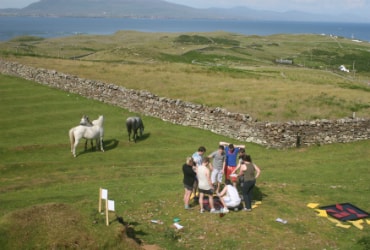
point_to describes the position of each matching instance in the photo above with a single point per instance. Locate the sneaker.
(201, 211)
(224, 210)
(236, 209)
(214, 211)
(247, 209)
(187, 207)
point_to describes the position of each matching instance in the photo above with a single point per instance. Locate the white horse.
(85, 120)
(96, 131)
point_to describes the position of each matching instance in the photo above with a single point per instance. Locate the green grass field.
(218, 69)
(49, 200)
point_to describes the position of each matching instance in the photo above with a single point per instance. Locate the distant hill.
(162, 9)
(109, 8)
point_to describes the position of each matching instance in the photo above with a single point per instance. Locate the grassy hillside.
(49, 200)
(226, 70)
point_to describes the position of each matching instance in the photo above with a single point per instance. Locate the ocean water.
(48, 27)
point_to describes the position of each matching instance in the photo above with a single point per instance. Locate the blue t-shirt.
(231, 157)
(197, 159)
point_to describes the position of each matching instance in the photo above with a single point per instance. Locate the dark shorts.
(209, 191)
(187, 187)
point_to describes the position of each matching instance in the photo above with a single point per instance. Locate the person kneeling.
(229, 197)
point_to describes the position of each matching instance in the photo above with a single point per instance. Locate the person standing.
(240, 177)
(197, 161)
(188, 181)
(218, 157)
(198, 156)
(231, 159)
(251, 172)
(205, 185)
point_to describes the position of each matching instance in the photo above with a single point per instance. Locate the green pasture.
(49, 199)
(218, 69)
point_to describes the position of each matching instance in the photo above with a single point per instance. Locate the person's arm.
(236, 169)
(243, 167)
(211, 155)
(258, 171)
(223, 192)
(222, 143)
(210, 167)
(209, 179)
(240, 146)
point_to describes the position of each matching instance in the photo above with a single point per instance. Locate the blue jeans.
(247, 190)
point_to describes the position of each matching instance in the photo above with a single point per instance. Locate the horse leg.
(74, 147)
(135, 135)
(101, 144)
(85, 144)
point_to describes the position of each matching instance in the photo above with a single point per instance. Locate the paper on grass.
(177, 226)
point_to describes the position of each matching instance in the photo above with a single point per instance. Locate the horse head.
(85, 121)
(99, 121)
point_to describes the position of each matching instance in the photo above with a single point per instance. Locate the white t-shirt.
(232, 198)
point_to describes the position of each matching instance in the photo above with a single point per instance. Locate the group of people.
(230, 163)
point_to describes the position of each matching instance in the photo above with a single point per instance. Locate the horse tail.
(71, 138)
(130, 127)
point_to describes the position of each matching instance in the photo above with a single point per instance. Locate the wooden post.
(109, 207)
(99, 200)
(106, 213)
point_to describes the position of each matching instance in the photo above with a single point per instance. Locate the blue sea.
(48, 27)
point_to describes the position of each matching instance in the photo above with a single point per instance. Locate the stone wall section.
(218, 120)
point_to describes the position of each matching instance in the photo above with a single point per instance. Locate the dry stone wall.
(217, 120)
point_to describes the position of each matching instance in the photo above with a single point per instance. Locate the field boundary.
(218, 120)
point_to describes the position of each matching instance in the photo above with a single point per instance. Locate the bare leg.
(211, 204)
(187, 197)
(201, 201)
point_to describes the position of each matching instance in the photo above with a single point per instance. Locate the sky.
(312, 6)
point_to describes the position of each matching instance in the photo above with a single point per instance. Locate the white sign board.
(104, 194)
(110, 205)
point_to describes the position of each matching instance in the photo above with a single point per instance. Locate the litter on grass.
(281, 221)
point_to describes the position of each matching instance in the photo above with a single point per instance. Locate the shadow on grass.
(110, 144)
(258, 195)
(129, 229)
(141, 138)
